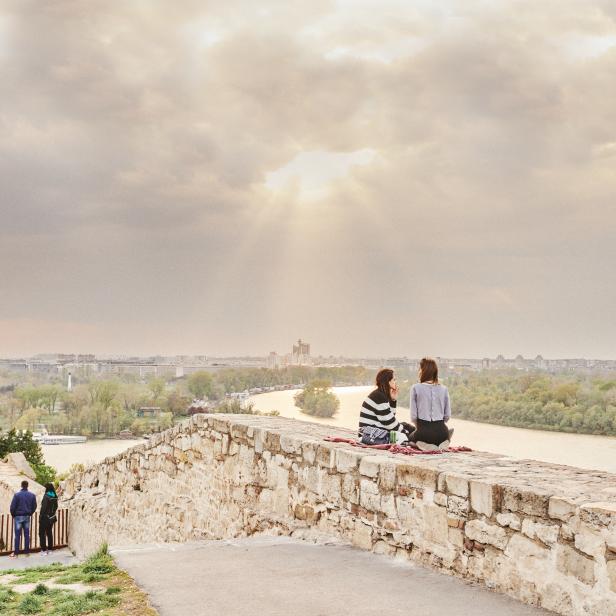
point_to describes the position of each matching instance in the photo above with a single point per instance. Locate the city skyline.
(380, 176)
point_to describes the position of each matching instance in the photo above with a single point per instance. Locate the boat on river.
(61, 439)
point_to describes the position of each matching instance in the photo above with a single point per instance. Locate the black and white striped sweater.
(378, 411)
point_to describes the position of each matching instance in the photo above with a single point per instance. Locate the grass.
(112, 593)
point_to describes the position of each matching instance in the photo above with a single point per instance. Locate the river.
(62, 457)
(582, 450)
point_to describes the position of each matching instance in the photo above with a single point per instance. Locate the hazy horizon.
(382, 178)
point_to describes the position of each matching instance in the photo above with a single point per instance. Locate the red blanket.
(408, 451)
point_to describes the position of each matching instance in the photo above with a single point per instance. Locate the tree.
(14, 442)
(201, 384)
(316, 399)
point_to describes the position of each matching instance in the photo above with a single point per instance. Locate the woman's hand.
(393, 391)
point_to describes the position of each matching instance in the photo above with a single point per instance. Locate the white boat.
(60, 439)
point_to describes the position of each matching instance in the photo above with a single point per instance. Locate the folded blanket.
(408, 451)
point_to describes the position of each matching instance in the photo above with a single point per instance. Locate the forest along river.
(582, 450)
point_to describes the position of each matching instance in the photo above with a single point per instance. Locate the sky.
(378, 177)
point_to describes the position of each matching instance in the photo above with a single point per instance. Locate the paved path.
(63, 556)
(281, 576)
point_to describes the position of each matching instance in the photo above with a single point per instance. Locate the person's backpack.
(374, 436)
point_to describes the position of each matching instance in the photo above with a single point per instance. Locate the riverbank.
(62, 457)
(582, 450)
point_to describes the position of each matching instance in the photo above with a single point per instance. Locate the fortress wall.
(542, 533)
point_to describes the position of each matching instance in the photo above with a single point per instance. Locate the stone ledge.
(542, 533)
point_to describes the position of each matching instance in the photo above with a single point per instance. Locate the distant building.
(149, 411)
(301, 353)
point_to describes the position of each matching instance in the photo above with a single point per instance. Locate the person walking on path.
(23, 507)
(47, 518)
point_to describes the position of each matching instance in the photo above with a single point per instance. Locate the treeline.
(106, 407)
(566, 403)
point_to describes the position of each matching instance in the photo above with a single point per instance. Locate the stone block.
(440, 498)
(561, 508)
(456, 537)
(309, 451)
(486, 533)
(483, 497)
(326, 455)
(290, 444)
(509, 519)
(436, 528)
(457, 506)
(546, 533)
(599, 514)
(520, 547)
(370, 466)
(350, 488)
(362, 535)
(387, 475)
(526, 501)
(589, 542)
(611, 574)
(347, 460)
(412, 476)
(456, 485)
(369, 495)
(573, 563)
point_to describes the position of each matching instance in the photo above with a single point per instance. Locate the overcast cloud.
(380, 177)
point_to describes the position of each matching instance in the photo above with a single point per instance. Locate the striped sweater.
(378, 411)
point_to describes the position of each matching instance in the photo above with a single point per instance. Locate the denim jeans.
(22, 523)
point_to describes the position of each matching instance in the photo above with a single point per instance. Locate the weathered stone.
(526, 501)
(436, 527)
(362, 535)
(561, 508)
(457, 506)
(509, 519)
(546, 533)
(590, 542)
(599, 513)
(369, 495)
(571, 562)
(611, 574)
(416, 476)
(484, 532)
(456, 485)
(519, 547)
(347, 460)
(440, 499)
(483, 498)
(369, 466)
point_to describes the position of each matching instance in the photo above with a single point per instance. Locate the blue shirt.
(23, 503)
(430, 402)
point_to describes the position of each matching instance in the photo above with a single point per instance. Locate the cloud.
(148, 158)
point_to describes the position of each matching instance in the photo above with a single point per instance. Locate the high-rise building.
(301, 353)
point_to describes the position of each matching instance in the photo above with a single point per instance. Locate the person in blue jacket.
(23, 507)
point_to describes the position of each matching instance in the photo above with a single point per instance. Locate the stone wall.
(542, 533)
(13, 470)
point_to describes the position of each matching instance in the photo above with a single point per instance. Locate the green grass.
(113, 592)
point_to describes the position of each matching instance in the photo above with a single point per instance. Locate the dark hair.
(24, 484)
(428, 370)
(382, 381)
(49, 487)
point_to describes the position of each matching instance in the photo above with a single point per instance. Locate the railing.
(7, 533)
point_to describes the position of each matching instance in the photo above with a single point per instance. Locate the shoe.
(444, 445)
(13, 555)
(450, 433)
(426, 446)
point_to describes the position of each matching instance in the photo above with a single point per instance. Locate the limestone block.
(599, 514)
(440, 499)
(456, 485)
(362, 535)
(387, 476)
(309, 451)
(369, 495)
(347, 460)
(547, 533)
(561, 508)
(413, 476)
(435, 521)
(259, 440)
(589, 542)
(484, 532)
(382, 547)
(326, 455)
(483, 498)
(457, 506)
(388, 506)
(526, 501)
(370, 466)
(509, 519)
(557, 598)
(331, 488)
(456, 537)
(573, 563)
(611, 574)
(519, 547)
(350, 488)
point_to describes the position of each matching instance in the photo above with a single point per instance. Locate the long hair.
(382, 381)
(428, 370)
(49, 487)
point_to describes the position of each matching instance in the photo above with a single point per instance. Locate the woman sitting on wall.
(377, 419)
(430, 409)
